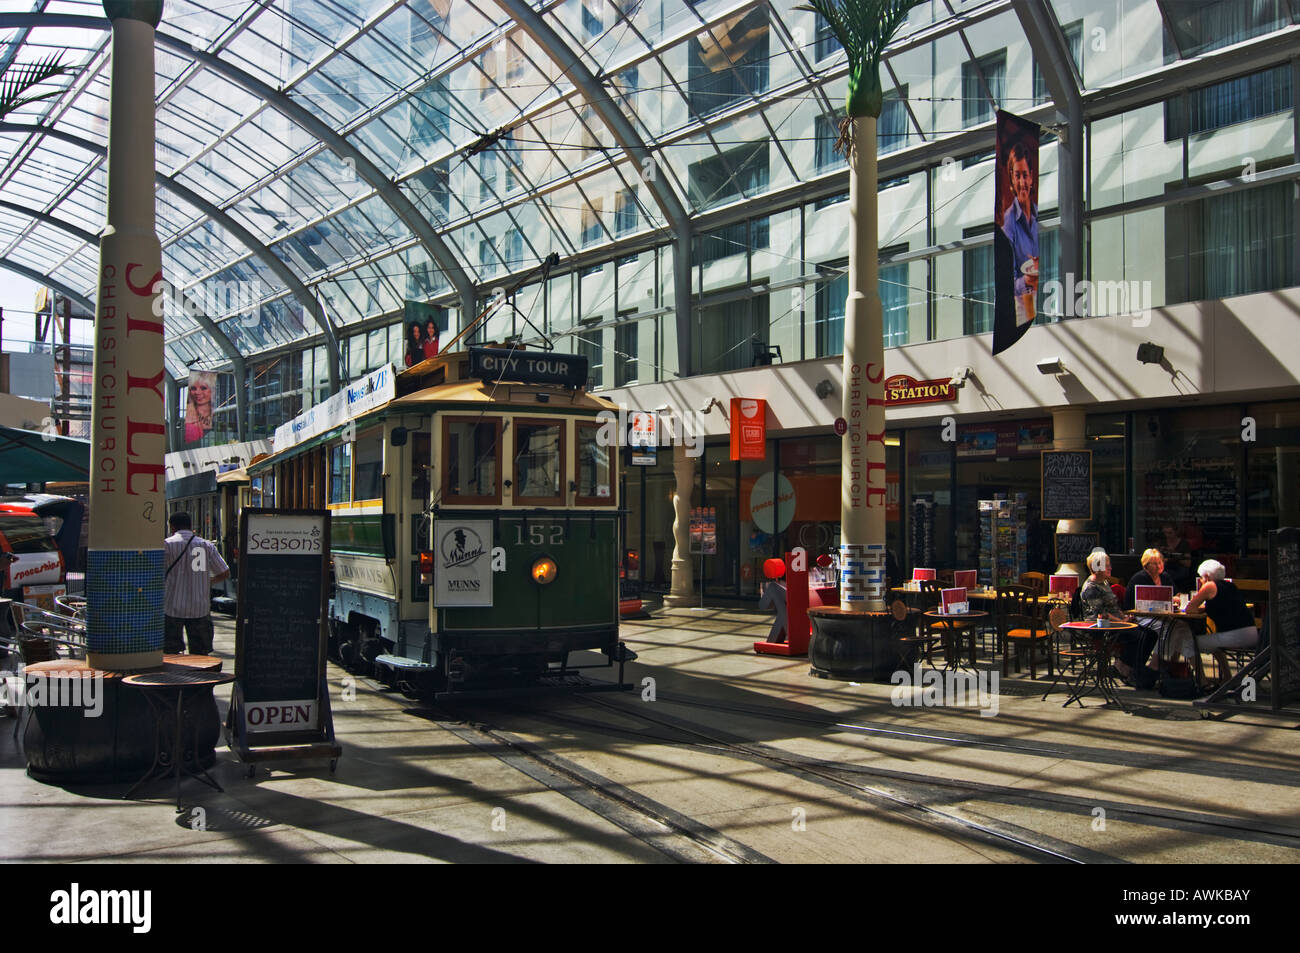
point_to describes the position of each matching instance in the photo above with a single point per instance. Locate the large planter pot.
(857, 646)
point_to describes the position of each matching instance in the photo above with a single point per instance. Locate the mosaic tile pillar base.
(124, 609)
(862, 576)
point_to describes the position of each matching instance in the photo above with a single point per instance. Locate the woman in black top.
(1225, 605)
(1137, 647)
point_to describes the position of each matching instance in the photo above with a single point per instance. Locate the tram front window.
(594, 480)
(539, 461)
(471, 449)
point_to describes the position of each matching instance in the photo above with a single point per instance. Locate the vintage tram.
(494, 458)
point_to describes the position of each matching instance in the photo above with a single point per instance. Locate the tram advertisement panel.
(462, 563)
(279, 642)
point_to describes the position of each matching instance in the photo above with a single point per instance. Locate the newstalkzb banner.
(1015, 239)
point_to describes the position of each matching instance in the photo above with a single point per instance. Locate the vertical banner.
(1015, 239)
(198, 405)
(748, 429)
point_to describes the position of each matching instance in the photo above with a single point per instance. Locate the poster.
(198, 405)
(462, 563)
(1015, 237)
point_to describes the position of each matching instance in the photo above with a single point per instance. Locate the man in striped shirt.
(193, 565)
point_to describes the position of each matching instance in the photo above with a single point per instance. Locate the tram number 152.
(540, 534)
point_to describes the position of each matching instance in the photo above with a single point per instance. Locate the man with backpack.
(193, 565)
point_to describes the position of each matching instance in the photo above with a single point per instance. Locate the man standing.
(193, 565)
(1020, 225)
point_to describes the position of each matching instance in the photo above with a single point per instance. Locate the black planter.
(857, 646)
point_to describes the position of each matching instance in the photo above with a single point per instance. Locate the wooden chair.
(1035, 582)
(1019, 625)
(959, 631)
(924, 636)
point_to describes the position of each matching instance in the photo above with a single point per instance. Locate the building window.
(1223, 104)
(487, 171)
(510, 159)
(891, 130)
(625, 212)
(591, 230)
(977, 284)
(728, 63)
(734, 174)
(1074, 41)
(429, 115)
(832, 294)
(728, 330)
(487, 257)
(625, 359)
(827, 44)
(589, 346)
(975, 106)
(434, 184)
(1232, 244)
(1198, 26)
(512, 248)
(730, 240)
(591, 18)
(827, 132)
(892, 285)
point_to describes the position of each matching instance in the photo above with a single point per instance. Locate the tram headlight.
(544, 570)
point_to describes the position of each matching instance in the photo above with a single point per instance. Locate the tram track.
(914, 795)
(677, 836)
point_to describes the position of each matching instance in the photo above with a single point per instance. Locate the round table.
(191, 688)
(951, 654)
(1096, 676)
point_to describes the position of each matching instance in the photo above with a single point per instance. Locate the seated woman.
(1137, 648)
(1226, 606)
(1098, 601)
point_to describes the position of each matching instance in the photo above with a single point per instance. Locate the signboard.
(1015, 237)
(954, 601)
(198, 404)
(748, 428)
(374, 390)
(1075, 547)
(1067, 484)
(527, 367)
(1063, 582)
(1153, 598)
(924, 575)
(462, 562)
(902, 389)
(643, 438)
(43, 596)
(280, 706)
(965, 578)
(30, 569)
(1284, 614)
(704, 530)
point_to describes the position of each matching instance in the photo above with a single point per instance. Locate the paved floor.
(721, 755)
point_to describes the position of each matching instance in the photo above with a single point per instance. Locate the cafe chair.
(924, 638)
(1035, 582)
(958, 630)
(1020, 627)
(1072, 646)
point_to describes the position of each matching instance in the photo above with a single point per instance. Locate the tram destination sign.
(528, 367)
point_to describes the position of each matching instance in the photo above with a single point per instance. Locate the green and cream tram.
(474, 516)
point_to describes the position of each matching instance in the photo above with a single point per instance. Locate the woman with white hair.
(1234, 625)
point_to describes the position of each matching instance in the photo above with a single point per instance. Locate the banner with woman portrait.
(200, 394)
(1015, 239)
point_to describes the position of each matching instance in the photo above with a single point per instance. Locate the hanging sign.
(643, 437)
(904, 389)
(748, 428)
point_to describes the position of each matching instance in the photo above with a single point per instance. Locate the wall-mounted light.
(1051, 365)
(959, 376)
(1149, 353)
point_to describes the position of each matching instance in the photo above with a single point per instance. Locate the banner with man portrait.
(1015, 239)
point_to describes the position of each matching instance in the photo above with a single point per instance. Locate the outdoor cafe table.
(1195, 619)
(951, 651)
(1095, 676)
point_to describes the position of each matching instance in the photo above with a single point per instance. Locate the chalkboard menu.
(1067, 484)
(280, 631)
(1075, 547)
(1284, 614)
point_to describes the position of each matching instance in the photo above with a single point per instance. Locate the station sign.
(528, 367)
(904, 389)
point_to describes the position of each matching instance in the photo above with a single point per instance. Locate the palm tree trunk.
(862, 452)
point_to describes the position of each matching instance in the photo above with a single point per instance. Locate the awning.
(30, 457)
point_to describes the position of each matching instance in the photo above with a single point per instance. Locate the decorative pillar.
(862, 448)
(682, 591)
(1069, 432)
(124, 573)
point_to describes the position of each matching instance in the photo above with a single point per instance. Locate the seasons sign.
(902, 389)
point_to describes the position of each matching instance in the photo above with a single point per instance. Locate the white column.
(682, 592)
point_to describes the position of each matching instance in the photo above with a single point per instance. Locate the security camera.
(1051, 365)
(662, 409)
(959, 376)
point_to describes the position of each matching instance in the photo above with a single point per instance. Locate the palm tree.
(20, 79)
(864, 28)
